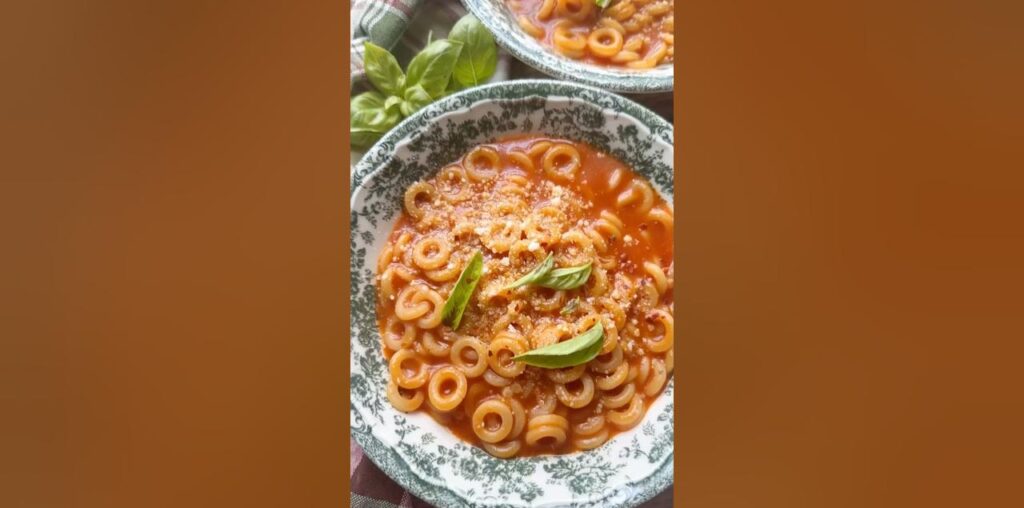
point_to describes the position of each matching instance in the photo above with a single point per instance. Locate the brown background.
(171, 197)
(171, 212)
(851, 228)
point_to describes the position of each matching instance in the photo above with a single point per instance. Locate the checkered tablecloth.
(404, 26)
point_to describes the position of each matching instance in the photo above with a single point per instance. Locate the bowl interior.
(413, 449)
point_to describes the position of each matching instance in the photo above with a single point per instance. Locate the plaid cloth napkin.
(404, 27)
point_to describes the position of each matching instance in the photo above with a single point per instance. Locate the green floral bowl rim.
(496, 16)
(384, 151)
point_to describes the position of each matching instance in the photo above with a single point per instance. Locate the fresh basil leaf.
(432, 67)
(366, 100)
(383, 70)
(392, 102)
(602, 3)
(451, 314)
(415, 98)
(570, 307)
(576, 351)
(370, 119)
(479, 56)
(565, 278)
(540, 271)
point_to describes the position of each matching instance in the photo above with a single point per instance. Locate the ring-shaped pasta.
(519, 254)
(663, 342)
(545, 225)
(547, 8)
(519, 418)
(433, 346)
(412, 195)
(500, 354)
(604, 42)
(629, 417)
(663, 217)
(438, 393)
(621, 11)
(496, 380)
(634, 42)
(479, 365)
(656, 381)
(522, 160)
(547, 300)
(451, 270)
(548, 420)
(608, 362)
(549, 334)
(409, 305)
(447, 187)
(530, 27)
(432, 319)
(613, 380)
(577, 245)
(481, 164)
(611, 23)
(612, 307)
(387, 255)
(398, 366)
(394, 339)
(643, 369)
(400, 401)
(561, 171)
(431, 252)
(566, 374)
(486, 409)
(614, 399)
(592, 425)
(576, 398)
(657, 275)
(504, 450)
(576, 10)
(394, 271)
(590, 442)
(547, 430)
(545, 405)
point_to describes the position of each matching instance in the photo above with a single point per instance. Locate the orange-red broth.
(597, 187)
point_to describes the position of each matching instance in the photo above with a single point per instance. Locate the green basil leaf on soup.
(576, 351)
(536, 274)
(565, 278)
(383, 70)
(451, 314)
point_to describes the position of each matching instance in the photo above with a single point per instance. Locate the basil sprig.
(566, 278)
(468, 57)
(451, 314)
(546, 275)
(576, 351)
(541, 270)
